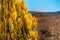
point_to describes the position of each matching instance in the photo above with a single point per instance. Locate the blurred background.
(47, 13)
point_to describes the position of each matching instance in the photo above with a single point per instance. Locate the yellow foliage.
(14, 15)
(34, 24)
(20, 22)
(29, 39)
(28, 22)
(15, 21)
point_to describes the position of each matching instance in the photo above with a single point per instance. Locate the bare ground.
(48, 26)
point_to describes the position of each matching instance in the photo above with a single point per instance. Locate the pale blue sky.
(43, 5)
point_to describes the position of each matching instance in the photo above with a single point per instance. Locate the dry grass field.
(48, 25)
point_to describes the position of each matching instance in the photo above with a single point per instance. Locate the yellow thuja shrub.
(15, 21)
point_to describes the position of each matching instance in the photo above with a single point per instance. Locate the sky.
(43, 5)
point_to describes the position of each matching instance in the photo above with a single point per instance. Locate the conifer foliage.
(15, 21)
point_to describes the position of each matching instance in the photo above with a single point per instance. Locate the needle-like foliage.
(15, 21)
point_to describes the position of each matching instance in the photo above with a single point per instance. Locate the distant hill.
(40, 14)
(58, 12)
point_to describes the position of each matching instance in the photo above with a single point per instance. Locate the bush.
(15, 21)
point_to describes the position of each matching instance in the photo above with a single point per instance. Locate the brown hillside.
(48, 25)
